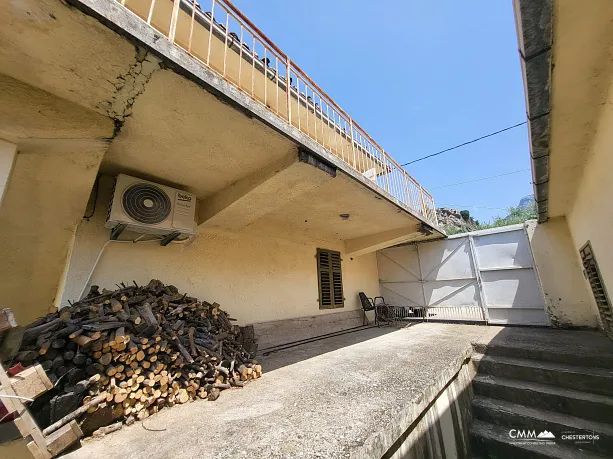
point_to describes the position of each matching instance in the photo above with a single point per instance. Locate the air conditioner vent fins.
(146, 203)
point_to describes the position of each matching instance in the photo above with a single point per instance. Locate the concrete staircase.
(538, 389)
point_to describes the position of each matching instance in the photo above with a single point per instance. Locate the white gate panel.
(403, 294)
(497, 250)
(452, 293)
(399, 264)
(510, 284)
(446, 259)
(511, 288)
(485, 275)
(515, 316)
(399, 276)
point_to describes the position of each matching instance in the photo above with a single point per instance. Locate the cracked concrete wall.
(130, 85)
(57, 48)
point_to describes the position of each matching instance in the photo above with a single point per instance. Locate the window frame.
(335, 283)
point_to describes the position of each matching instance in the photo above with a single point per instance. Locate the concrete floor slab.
(334, 398)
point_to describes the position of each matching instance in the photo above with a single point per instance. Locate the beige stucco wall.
(59, 146)
(591, 217)
(255, 276)
(582, 53)
(566, 296)
(45, 199)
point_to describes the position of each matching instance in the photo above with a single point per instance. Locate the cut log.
(82, 340)
(105, 359)
(182, 396)
(102, 431)
(151, 323)
(32, 333)
(75, 414)
(104, 326)
(116, 305)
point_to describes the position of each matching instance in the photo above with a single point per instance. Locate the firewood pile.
(125, 354)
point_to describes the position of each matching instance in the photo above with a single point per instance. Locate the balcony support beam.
(264, 191)
(373, 242)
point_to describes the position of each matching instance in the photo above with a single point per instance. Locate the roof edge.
(534, 24)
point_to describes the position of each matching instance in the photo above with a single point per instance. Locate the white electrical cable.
(17, 396)
(91, 273)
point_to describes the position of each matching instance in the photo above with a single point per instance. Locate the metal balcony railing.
(225, 40)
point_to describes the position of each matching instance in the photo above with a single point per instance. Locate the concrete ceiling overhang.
(178, 123)
(566, 54)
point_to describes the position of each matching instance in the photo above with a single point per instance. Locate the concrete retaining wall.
(279, 332)
(442, 419)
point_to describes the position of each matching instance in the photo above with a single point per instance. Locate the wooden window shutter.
(330, 278)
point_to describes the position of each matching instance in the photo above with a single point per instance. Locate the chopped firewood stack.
(135, 350)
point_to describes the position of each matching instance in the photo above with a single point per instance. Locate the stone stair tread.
(499, 434)
(543, 388)
(543, 365)
(560, 349)
(572, 422)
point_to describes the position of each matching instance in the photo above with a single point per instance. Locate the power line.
(466, 143)
(479, 179)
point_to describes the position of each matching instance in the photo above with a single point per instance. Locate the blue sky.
(419, 76)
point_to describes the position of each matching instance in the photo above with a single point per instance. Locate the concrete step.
(581, 404)
(515, 416)
(593, 380)
(493, 442)
(519, 351)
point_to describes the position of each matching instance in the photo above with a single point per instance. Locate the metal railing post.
(387, 178)
(406, 187)
(191, 29)
(211, 25)
(174, 20)
(352, 144)
(423, 205)
(288, 88)
(150, 15)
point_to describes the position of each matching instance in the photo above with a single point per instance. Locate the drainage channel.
(291, 344)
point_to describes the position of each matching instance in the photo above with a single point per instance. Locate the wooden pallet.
(31, 383)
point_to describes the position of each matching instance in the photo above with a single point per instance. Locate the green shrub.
(516, 215)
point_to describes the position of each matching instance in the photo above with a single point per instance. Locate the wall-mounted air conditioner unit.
(146, 207)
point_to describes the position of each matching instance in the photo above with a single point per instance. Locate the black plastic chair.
(368, 304)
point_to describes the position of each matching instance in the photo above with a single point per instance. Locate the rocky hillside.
(456, 221)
